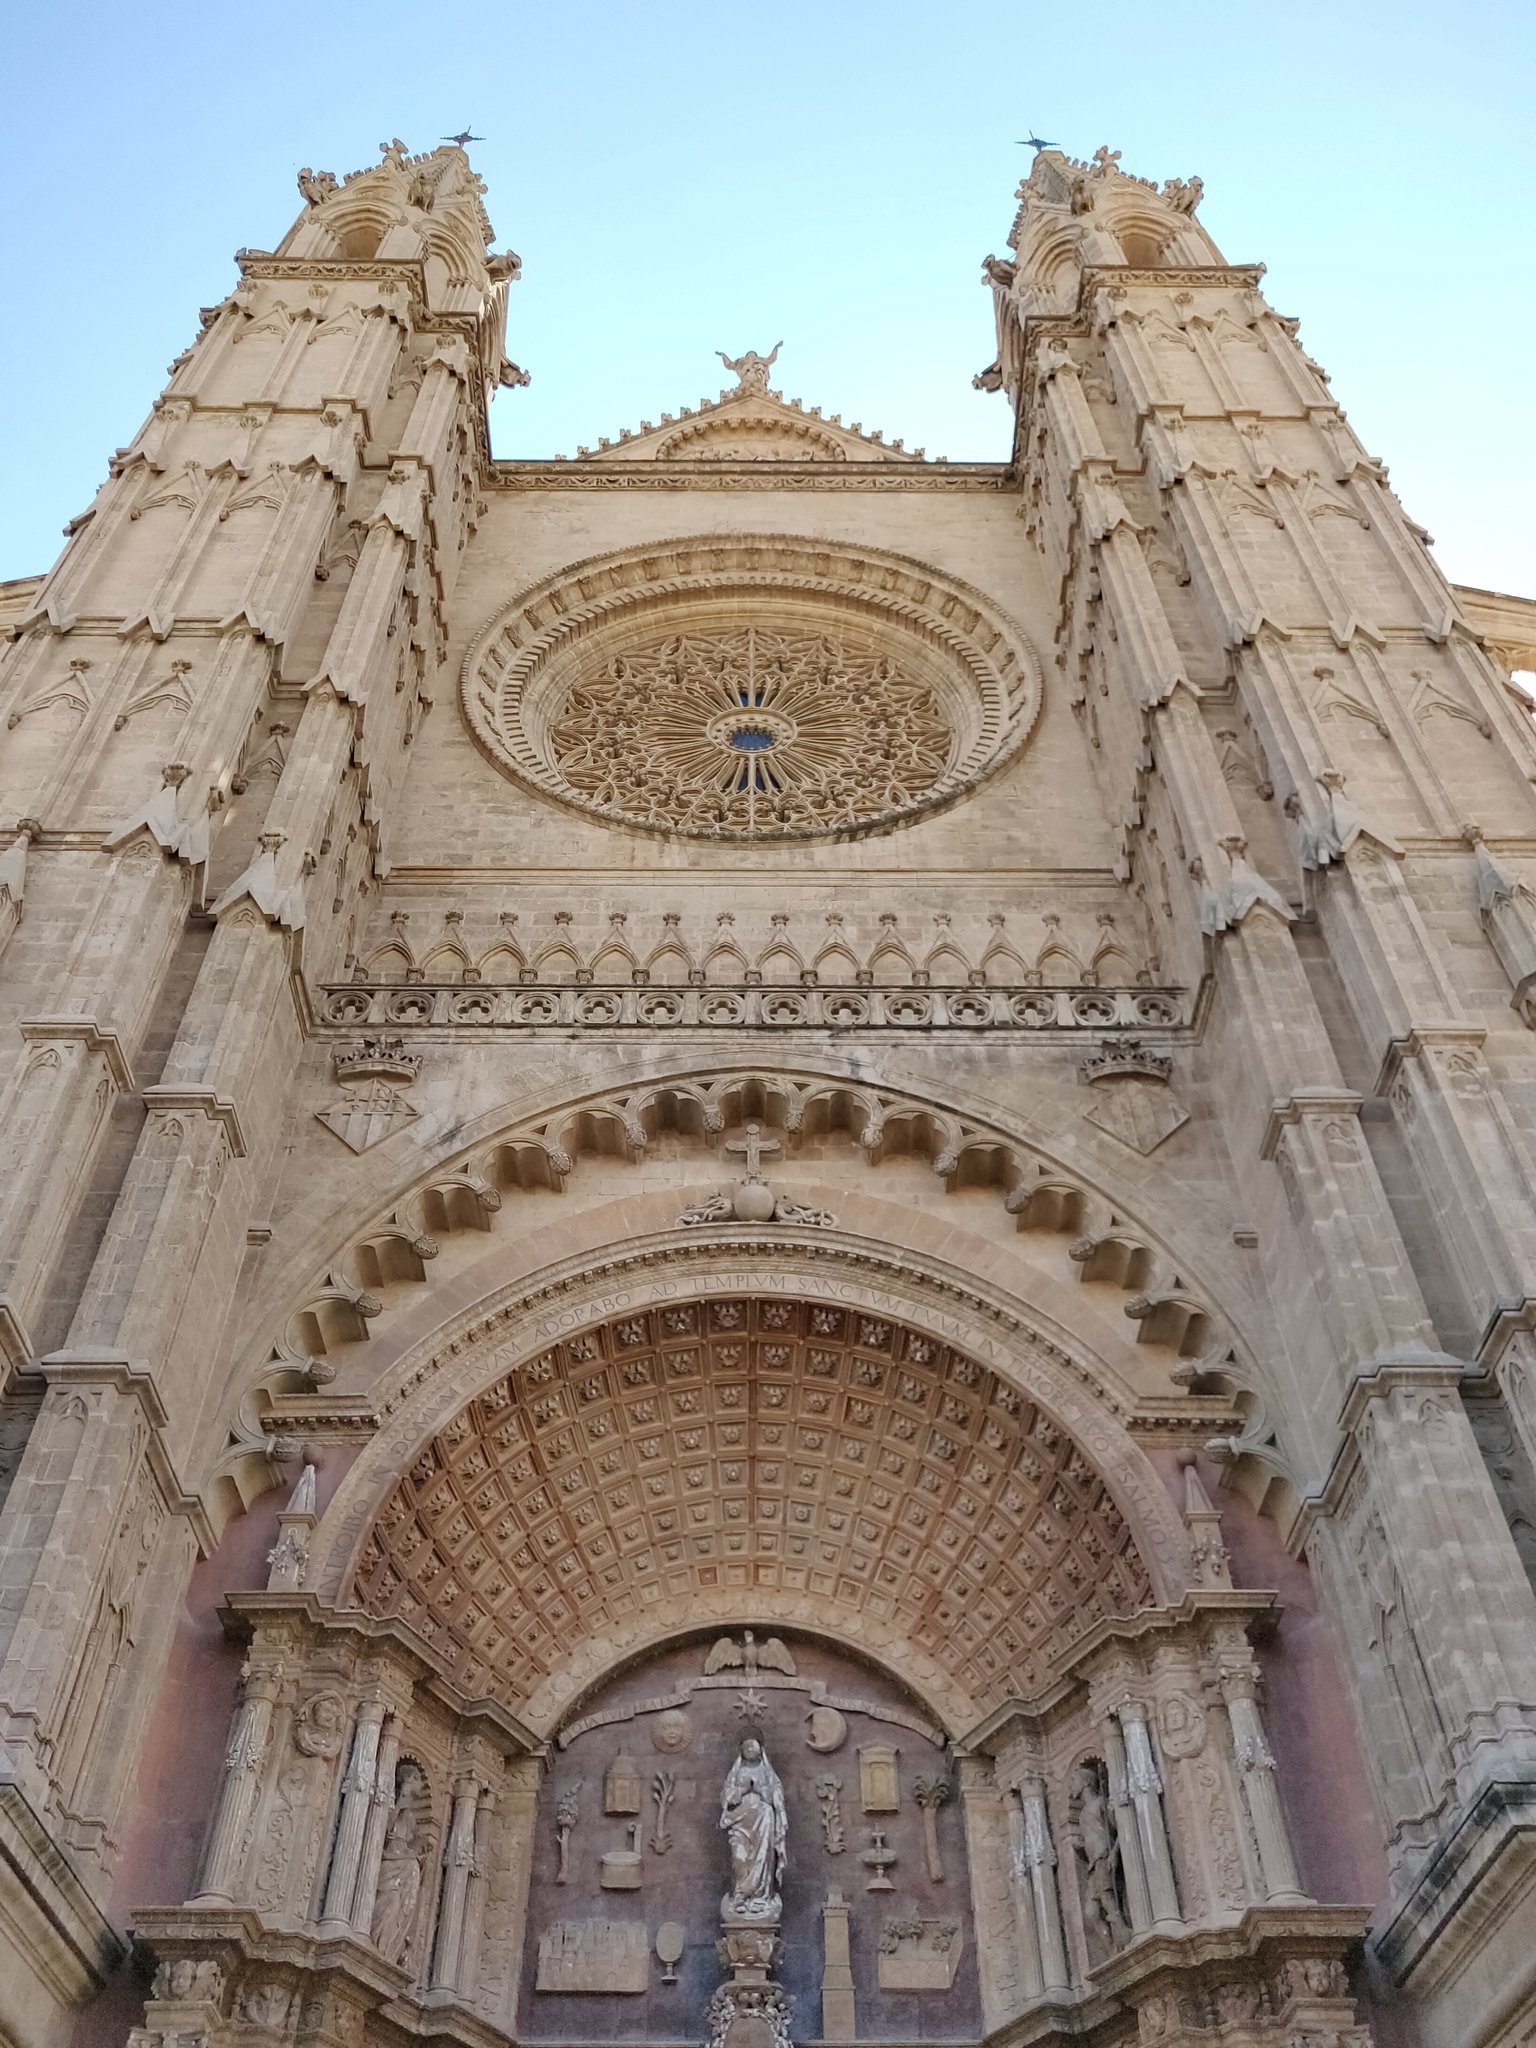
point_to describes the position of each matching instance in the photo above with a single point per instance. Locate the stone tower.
(756, 1098)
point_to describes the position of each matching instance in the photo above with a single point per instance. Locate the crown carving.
(376, 1059)
(1118, 1057)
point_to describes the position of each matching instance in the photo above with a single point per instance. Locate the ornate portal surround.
(751, 688)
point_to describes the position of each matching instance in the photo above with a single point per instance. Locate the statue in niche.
(752, 1816)
(1098, 1850)
(405, 1848)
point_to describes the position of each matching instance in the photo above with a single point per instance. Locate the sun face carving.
(751, 731)
(749, 688)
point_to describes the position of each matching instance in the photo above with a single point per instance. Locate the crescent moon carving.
(828, 1730)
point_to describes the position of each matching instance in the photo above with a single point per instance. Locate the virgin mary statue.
(752, 1815)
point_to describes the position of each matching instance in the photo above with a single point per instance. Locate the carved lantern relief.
(601, 1962)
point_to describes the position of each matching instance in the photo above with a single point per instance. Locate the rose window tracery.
(758, 687)
(751, 731)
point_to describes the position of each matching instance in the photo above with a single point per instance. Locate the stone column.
(249, 1735)
(381, 1805)
(1138, 1898)
(474, 1907)
(1256, 1772)
(838, 2021)
(357, 1789)
(458, 1860)
(1022, 1897)
(1146, 1788)
(1040, 1862)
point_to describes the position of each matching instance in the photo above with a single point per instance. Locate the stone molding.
(202, 1102)
(594, 1006)
(48, 1913)
(49, 1030)
(1475, 1890)
(87, 1368)
(989, 479)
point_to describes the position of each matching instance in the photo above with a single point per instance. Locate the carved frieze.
(1018, 1010)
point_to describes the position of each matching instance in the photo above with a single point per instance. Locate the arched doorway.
(740, 1512)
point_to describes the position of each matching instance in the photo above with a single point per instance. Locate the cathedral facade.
(767, 1270)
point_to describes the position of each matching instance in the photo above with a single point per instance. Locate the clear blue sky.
(681, 178)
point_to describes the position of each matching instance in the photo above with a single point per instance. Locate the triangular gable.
(750, 423)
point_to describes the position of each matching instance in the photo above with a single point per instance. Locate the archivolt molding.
(1165, 1302)
(984, 671)
(537, 1355)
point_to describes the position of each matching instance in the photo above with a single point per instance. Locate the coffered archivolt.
(740, 1434)
(751, 686)
(1088, 1238)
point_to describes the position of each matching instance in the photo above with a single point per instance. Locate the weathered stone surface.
(746, 1068)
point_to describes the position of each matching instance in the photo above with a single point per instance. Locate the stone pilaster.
(1007, 1957)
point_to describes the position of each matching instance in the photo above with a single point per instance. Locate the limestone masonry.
(767, 1262)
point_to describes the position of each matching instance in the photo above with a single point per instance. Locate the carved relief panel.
(613, 1883)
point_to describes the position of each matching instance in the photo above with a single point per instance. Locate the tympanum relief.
(740, 1839)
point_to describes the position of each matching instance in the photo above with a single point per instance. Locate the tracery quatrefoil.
(751, 731)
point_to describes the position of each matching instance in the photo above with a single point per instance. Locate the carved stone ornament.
(376, 1059)
(751, 688)
(1140, 1113)
(367, 1114)
(594, 1955)
(320, 1724)
(750, 1657)
(829, 1797)
(672, 1732)
(619, 1869)
(826, 1730)
(621, 1785)
(1118, 1058)
(752, 1200)
(879, 1785)
(919, 1955)
(749, 2016)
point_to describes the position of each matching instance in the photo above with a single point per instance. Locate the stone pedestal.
(749, 2010)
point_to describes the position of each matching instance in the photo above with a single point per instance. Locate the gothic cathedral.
(767, 1264)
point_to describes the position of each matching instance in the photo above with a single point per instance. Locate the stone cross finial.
(752, 1148)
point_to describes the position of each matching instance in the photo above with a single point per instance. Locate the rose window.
(752, 731)
(750, 688)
